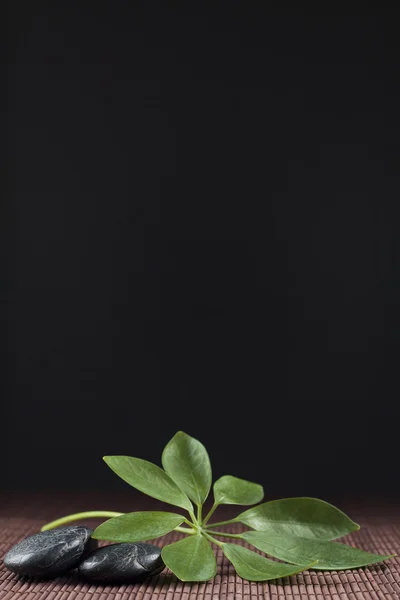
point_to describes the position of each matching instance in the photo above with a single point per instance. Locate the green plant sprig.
(299, 531)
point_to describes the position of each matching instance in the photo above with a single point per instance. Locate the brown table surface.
(23, 514)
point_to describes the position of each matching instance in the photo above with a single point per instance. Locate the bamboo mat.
(23, 514)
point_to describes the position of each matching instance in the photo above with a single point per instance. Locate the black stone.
(50, 553)
(122, 563)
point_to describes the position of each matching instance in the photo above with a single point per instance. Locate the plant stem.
(212, 510)
(185, 530)
(199, 514)
(230, 535)
(191, 525)
(213, 540)
(91, 514)
(222, 523)
(104, 514)
(191, 513)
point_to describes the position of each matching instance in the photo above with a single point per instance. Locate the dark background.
(203, 236)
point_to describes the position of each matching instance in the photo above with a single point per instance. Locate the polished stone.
(122, 563)
(50, 553)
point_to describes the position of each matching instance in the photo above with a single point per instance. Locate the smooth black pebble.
(50, 553)
(122, 563)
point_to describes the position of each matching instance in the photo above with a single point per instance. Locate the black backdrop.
(203, 236)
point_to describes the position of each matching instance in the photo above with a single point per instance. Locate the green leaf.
(330, 555)
(186, 461)
(232, 490)
(138, 526)
(254, 567)
(191, 559)
(149, 479)
(303, 517)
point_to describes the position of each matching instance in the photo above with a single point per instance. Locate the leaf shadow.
(380, 568)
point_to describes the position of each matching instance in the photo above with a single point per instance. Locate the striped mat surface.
(23, 514)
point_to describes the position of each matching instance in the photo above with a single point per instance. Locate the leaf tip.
(176, 436)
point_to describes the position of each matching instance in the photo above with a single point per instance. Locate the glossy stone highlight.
(122, 563)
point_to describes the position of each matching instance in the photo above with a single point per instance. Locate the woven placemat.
(23, 514)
